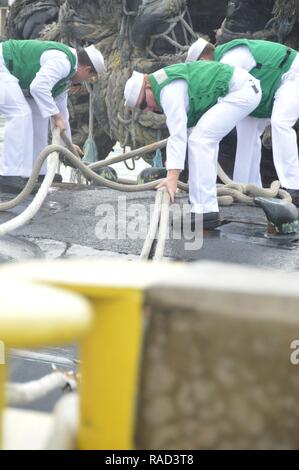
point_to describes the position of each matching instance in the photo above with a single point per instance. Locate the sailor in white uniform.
(35, 77)
(282, 116)
(202, 102)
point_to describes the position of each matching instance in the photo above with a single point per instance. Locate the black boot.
(57, 178)
(208, 221)
(12, 184)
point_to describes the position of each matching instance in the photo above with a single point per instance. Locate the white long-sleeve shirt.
(174, 100)
(175, 103)
(55, 66)
(241, 57)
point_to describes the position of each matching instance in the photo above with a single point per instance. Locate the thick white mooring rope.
(33, 208)
(227, 192)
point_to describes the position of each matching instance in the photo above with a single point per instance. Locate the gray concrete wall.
(217, 368)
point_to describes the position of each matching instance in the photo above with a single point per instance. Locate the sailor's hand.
(170, 186)
(78, 150)
(59, 122)
(170, 183)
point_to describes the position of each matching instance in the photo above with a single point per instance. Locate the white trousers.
(285, 113)
(249, 150)
(284, 138)
(204, 138)
(25, 132)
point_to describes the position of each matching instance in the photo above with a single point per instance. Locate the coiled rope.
(227, 192)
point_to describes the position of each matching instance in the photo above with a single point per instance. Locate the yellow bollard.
(32, 315)
(2, 399)
(110, 360)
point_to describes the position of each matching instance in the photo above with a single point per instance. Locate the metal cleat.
(282, 215)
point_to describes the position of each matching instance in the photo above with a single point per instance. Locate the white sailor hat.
(196, 49)
(96, 58)
(133, 88)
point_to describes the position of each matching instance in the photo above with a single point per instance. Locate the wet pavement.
(97, 222)
(90, 221)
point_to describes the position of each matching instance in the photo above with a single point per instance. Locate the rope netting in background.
(134, 34)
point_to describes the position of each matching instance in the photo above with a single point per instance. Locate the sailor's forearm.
(173, 175)
(59, 121)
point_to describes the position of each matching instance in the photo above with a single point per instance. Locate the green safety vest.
(22, 58)
(207, 81)
(272, 59)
